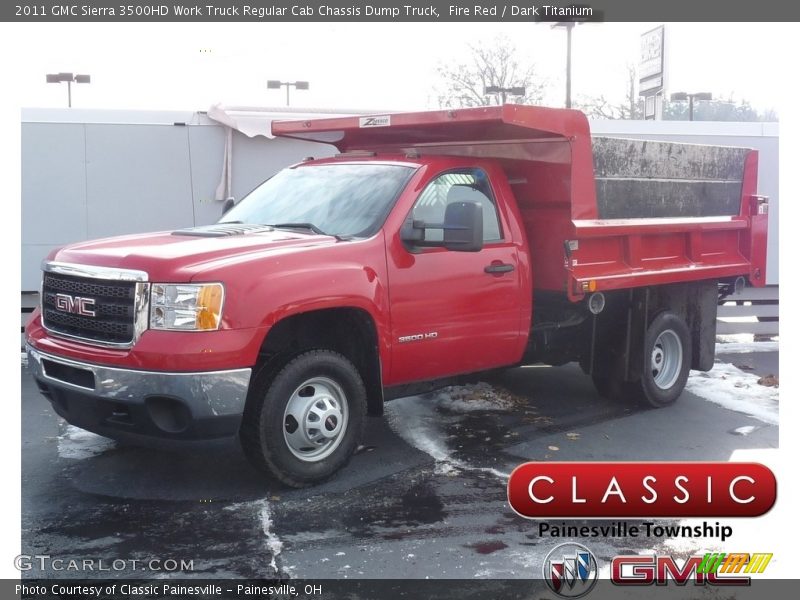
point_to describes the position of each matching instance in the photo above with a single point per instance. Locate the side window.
(470, 185)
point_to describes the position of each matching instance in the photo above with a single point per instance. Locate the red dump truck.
(437, 244)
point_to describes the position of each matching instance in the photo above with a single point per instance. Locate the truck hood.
(182, 255)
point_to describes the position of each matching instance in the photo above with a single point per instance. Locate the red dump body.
(549, 157)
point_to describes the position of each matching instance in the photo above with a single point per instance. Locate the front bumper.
(130, 404)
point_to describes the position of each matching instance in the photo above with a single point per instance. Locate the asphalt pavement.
(425, 495)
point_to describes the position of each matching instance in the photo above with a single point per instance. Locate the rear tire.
(303, 424)
(666, 361)
(664, 369)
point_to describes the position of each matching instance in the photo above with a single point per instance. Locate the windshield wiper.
(311, 227)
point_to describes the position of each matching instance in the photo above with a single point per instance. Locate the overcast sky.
(372, 65)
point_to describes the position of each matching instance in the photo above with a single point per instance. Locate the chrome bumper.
(207, 395)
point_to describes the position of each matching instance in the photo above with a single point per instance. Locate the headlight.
(186, 307)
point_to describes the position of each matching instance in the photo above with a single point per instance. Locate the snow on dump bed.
(737, 390)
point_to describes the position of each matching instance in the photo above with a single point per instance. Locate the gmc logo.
(659, 570)
(75, 305)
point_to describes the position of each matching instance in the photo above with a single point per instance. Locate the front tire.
(303, 424)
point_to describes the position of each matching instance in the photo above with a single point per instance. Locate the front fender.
(260, 293)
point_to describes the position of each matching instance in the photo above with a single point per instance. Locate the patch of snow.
(415, 419)
(746, 430)
(274, 544)
(734, 338)
(444, 468)
(743, 338)
(313, 536)
(485, 574)
(272, 541)
(24, 358)
(497, 473)
(93, 544)
(474, 397)
(79, 444)
(734, 389)
(746, 347)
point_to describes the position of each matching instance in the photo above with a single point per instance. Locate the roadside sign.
(651, 62)
(652, 71)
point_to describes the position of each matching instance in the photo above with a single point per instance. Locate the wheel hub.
(323, 419)
(666, 359)
(658, 358)
(315, 419)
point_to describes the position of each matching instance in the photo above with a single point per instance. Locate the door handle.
(495, 268)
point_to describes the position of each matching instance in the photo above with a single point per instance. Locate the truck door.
(454, 312)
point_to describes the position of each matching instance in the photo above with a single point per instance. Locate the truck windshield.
(345, 200)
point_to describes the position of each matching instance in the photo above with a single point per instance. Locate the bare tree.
(489, 63)
(722, 109)
(599, 107)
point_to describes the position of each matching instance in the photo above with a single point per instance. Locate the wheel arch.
(349, 330)
(619, 345)
(696, 304)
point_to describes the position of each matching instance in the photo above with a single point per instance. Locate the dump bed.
(599, 214)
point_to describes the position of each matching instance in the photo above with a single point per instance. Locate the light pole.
(274, 84)
(683, 97)
(583, 13)
(569, 26)
(69, 78)
(502, 91)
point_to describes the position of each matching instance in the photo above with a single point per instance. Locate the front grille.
(88, 287)
(113, 307)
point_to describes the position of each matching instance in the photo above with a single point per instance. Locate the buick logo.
(570, 570)
(75, 305)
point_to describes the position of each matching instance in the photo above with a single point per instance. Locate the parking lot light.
(275, 84)
(683, 97)
(69, 78)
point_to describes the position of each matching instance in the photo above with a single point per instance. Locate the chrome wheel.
(666, 359)
(315, 419)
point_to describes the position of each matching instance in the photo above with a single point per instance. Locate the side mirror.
(462, 229)
(413, 232)
(229, 204)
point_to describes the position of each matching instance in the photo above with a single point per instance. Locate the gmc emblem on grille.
(75, 304)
